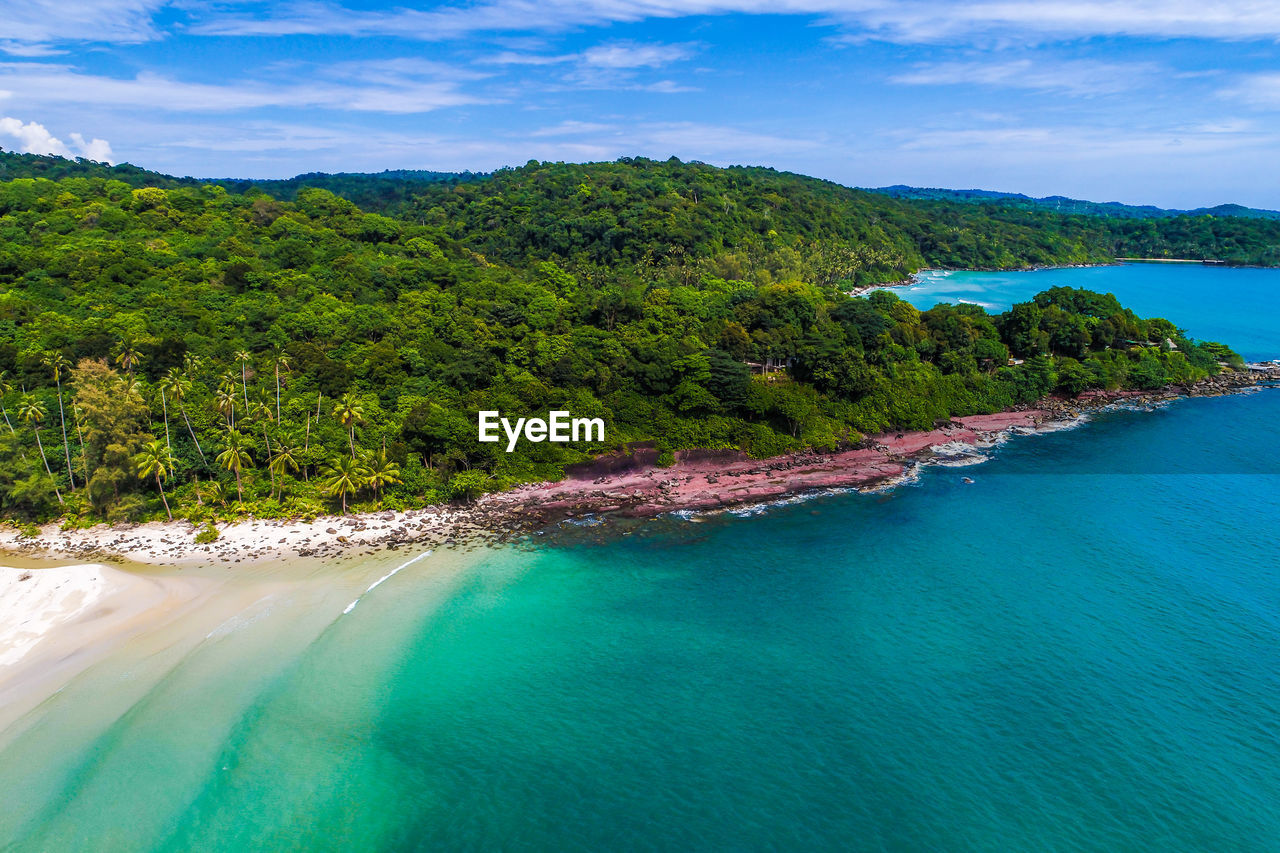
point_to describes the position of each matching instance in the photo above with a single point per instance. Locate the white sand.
(173, 543)
(56, 621)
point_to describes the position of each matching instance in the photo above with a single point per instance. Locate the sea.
(1078, 650)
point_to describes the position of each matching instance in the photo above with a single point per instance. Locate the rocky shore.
(633, 485)
(629, 484)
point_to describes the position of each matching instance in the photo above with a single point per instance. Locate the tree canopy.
(222, 352)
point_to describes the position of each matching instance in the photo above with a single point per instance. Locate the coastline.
(624, 484)
(916, 277)
(166, 592)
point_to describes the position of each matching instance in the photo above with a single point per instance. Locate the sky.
(1167, 102)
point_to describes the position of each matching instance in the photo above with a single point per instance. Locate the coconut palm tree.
(191, 364)
(284, 459)
(128, 357)
(244, 356)
(5, 387)
(133, 388)
(381, 472)
(343, 477)
(58, 363)
(349, 412)
(281, 362)
(176, 385)
(259, 412)
(156, 460)
(236, 457)
(226, 401)
(32, 413)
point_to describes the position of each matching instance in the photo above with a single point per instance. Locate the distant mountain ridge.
(395, 187)
(1063, 204)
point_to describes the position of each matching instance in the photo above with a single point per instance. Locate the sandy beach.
(628, 483)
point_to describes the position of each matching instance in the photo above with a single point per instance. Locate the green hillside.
(247, 354)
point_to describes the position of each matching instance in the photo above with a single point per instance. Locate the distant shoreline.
(915, 276)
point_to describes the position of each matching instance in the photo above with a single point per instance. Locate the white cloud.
(614, 65)
(365, 89)
(893, 20)
(572, 128)
(1080, 142)
(42, 22)
(14, 48)
(1260, 90)
(34, 25)
(1076, 77)
(35, 138)
(634, 55)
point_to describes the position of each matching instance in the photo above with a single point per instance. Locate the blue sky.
(1173, 103)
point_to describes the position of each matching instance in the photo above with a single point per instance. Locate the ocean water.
(1240, 307)
(1080, 650)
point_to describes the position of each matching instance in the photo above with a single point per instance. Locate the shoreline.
(628, 484)
(915, 277)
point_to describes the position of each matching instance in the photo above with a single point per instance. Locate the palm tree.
(349, 412)
(285, 459)
(226, 401)
(156, 460)
(279, 360)
(344, 476)
(128, 357)
(32, 413)
(236, 456)
(243, 356)
(133, 388)
(191, 365)
(57, 362)
(382, 472)
(262, 414)
(176, 385)
(5, 387)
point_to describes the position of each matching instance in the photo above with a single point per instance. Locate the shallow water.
(1078, 651)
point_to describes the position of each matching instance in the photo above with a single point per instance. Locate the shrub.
(208, 534)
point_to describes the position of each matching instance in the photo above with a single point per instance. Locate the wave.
(406, 564)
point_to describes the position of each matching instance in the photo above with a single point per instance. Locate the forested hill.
(1062, 204)
(682, 221)
(691, 219)
(233, 353)
(591, 214)
(381, 192)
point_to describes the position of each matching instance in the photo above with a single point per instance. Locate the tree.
(156, 460)
(262, 414)
(177, 385)
(244, 356)
(128, 357)
(226, 400)
(280, 361)
(235, 457)
(5, 387)
(284, 459)
(349, 412)
(342, 477)
(116, 424)
(466, 485)
(57, 362)
(382, 472)
(32, 413)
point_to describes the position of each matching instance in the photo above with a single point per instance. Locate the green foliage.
(232, 354)
(207, 534)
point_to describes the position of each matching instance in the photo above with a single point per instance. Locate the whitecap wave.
(406, 564)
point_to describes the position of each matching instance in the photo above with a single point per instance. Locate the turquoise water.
(1236, 306)
(1078, 651)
